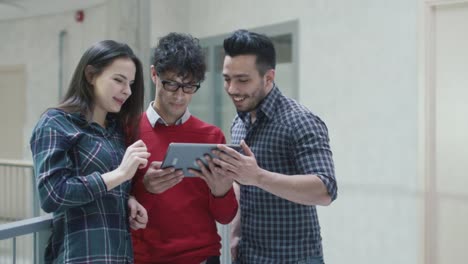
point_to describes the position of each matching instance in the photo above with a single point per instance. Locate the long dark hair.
(80, 94)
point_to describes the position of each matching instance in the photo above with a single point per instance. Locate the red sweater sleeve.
(224, 208)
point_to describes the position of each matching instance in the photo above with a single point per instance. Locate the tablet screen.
(183, 156)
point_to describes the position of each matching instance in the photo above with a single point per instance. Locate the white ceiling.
(14, 9)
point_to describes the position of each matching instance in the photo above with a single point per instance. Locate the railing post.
(14, 250)
(17, 224)
(41, 240)
(35, 200)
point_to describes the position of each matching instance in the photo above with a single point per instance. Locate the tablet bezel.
(183, 156)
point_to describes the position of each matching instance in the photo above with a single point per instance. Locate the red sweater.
(182, 220)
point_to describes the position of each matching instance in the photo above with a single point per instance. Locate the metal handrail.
(16, 163)
(38, 226)
(26, 226)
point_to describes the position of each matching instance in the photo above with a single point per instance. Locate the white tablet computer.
(183, 156)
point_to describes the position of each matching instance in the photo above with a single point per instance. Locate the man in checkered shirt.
(285, 167)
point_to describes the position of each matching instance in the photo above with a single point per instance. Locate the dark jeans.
(311, 260)
(213, 260)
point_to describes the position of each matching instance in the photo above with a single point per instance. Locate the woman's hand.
(136, 156)
(138, 217)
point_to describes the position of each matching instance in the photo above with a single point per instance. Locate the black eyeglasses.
(172, 86)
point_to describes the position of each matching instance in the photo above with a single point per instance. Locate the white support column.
(129, 22)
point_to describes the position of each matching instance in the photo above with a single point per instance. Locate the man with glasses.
(182, 212)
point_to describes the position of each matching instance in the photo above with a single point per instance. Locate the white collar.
(154, 117)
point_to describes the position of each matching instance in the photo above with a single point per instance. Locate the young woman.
(82, 167)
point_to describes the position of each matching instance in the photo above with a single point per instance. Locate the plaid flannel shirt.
(285, 138)
(90, 223)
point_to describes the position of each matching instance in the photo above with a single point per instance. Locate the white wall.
(358, 71)
(168, 16)
(33, 42)
(450, 208)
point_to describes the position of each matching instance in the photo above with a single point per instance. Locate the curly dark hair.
(181, 54)
(243, 42)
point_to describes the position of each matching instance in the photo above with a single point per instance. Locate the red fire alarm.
(79, 16)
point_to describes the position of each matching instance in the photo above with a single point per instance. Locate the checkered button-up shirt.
(90, 223)
(286, 138)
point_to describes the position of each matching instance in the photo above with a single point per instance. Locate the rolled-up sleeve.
(312, 152)
(59, 188)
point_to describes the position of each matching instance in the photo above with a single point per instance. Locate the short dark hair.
(243, 42)
(182, 54)
(80, 94)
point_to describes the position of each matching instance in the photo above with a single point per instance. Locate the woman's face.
(113, 87)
